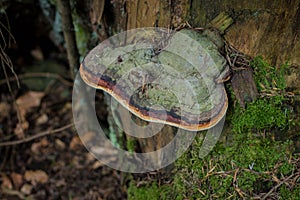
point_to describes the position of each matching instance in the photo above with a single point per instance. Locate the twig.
(39, 74)
(13, 193)
(28, 139)
(11, 93)
(5, 60)
(236, 59)
(277, 186)
(8, 31)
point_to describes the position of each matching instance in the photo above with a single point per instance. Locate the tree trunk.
(69, 34)
(261, 27)
(268, 28)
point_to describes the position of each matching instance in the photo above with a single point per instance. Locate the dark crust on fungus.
(205, 121)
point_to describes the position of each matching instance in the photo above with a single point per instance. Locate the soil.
(53, 166)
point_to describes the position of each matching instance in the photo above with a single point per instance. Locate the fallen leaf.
(60, 182)
(6, 182)
(67, 107)
(59, 144)
(17, 179)
(37, 176)
(104, 151)
(29, 100)
(42, 119)
(77, 162)
(89, 157)
(75, 143)
(5, 110)
(19, 130)
(87, 137)
(97, 164)
(37, 54)
(110, 154)
(36, 147)
(25, 103)
(26, 189)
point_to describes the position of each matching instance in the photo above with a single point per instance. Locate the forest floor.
(41, 155)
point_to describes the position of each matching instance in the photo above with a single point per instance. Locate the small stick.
(277, 186)
(39, 74)
(28, 139)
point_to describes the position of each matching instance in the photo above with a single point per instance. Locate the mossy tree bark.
(69, 35)
(269, 28)
(262, 27)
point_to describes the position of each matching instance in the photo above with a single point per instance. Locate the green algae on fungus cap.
(161, 76)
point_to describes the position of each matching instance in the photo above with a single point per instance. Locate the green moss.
(82, 37)
(148, 192)
(248, 164)
(268, 77)
(286, 168)
(246, 167)
(249, 159)
(252, 158)
(286, 193)
(130, 144)
(113, 138)
(259, 115)
(268, 111)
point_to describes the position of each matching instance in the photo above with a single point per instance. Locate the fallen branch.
(39, 74)
(33, 137)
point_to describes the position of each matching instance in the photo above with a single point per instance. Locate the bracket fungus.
(161, 76)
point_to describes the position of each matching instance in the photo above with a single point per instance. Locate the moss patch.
(269, 110)
(242, 169)
(249, 164)
(148, 192)
(267, 77)
(263, 114)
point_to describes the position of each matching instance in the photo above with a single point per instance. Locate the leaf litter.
(54, 165)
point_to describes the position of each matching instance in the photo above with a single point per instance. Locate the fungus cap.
(161, 76)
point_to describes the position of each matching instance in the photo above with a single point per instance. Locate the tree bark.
(69, 35)
(262, 27)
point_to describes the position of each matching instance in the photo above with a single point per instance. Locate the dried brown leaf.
(19, 130)
(37, 54)
(110, 153)
(42, 119)
(25, 102)
(60, 183)
(29, 100)
(4, 110)
(60, 144)
(89, 157)
(6, 182)
(37, 146)
(17, 179)
(36, 176)
(97, 164)
(26, 189)
(75, 143)
(87, 137)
